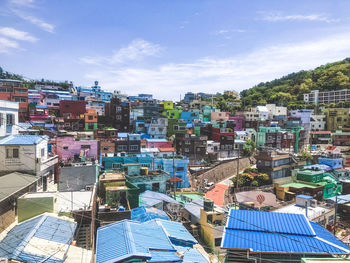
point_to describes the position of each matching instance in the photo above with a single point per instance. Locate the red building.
(72, 108)
(13, 90)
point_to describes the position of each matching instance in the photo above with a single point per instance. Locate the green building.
(331, 185)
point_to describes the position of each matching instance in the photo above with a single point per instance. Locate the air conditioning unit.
(313, 203)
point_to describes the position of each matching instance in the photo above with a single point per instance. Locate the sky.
(170, 47)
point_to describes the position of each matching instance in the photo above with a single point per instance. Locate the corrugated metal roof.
(126, 239)
(341, 199)
(143, 214)
(22, 139)
(150, 198)
(283, 233)
(14, 182)
(162, 256)
(43, 227)
(176, 231)
(194, 207)
(194, 256)
(262, 221)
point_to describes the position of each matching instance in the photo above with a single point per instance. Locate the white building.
(29, 154)
(8, 118)
(213, 147)
(318, 122)
(274, 110)
(263, 112)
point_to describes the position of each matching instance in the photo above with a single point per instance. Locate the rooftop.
(38, 239)
(269, 232)
(14, 182)
(22, 139)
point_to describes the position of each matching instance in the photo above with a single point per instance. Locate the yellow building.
(338, 119)
(168, 105)
(212, 222)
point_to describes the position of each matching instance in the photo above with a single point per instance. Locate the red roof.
(175, 179)
(217, 194)
(331, 148)
(171, 149)
(321, 132)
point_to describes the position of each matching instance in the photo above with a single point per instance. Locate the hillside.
(289, 90)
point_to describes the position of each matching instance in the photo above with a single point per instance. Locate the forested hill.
(289, 90)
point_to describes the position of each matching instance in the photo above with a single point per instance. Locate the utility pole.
(335, 213)
(175, 182)
(239, 151)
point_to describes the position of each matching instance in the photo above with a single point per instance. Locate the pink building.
(69, 149)
(220, 116)
(239, 120)
(38, 113)
(158, 143)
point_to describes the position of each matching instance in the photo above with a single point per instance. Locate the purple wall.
(74, 147)
(239, 120)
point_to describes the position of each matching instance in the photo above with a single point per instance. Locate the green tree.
(306, 156)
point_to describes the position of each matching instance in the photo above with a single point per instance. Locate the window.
(65, 148)
(105, 148)
(20, 99)
(155, 187)
(134, 147)
(180, 169)
(85, 146)
(116, 165)
(187, 150)
(10, 119)
(159, 166)
(218, 241)
(12, 153)
(118, 117)
(90, 117)
(187, 142)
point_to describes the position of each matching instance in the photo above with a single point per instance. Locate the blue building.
(144, 213)
(141, 97)
(276, 236)
(333, 162)
(152, 241)
(189, 116)
(95, 91)
(189, 97)
(181, 169)
(164, 164)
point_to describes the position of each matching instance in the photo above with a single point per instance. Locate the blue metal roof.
(194, 256)
(22, 139)
(278, 232)
(304, 196)
(261, 221)
(150, 198)
(176, 232)
(143, 214)
(130, 239)
(43, 227)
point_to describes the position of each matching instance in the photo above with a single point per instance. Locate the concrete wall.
(223, 171)
(76, 178)
(8, 107)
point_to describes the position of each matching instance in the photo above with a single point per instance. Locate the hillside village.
(93, 175)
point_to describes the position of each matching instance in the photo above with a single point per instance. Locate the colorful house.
(69, 149)
(90, 117)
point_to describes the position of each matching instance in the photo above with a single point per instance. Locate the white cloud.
(169, 80)
(35, 21)
(6, 45)
(17, 34)
(26, 3)
(227, 31)
(135, 51)
(276, 17)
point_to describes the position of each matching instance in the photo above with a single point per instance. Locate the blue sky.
(170, 47)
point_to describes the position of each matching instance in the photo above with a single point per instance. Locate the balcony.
(46, 164)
